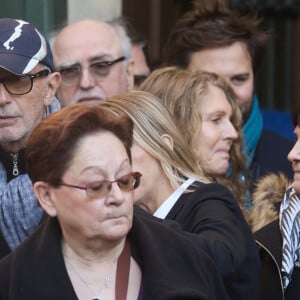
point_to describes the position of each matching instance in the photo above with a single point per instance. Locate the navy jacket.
(271, 156)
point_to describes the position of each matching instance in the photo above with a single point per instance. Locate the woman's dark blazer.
(213, 214)
(172, 266)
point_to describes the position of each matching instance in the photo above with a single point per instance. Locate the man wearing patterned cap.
(27, 87)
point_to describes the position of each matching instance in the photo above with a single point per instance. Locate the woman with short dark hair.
(91, 246)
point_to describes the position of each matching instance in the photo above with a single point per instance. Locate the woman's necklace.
(122, 275)
(106, 283)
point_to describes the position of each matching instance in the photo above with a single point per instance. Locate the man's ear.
(129, 74)
(53, 82)
(168, 140)
(42, 191)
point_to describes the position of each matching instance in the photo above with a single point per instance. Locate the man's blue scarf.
(251, 134)
(252, 130)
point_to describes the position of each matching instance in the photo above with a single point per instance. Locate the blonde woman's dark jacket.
(215, 220)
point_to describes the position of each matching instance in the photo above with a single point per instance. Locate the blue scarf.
(251, 133)
(252, 130)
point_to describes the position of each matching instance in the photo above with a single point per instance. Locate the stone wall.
(94, 9)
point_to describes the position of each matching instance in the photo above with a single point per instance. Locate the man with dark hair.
(231, 44)
(27, 87)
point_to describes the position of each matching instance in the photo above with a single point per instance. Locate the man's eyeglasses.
(100, 189)
(138, 79)
(71, 75)
(21, 84)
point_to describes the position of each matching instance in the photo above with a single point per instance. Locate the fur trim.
(268, 192)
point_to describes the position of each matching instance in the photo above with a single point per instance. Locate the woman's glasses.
(100, 189)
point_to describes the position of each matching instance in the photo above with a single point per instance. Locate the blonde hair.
(182, 92)
(152, 121)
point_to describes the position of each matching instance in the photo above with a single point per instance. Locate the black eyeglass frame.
(112, 62)
(138, 79)
(72, 81)
(40, 74)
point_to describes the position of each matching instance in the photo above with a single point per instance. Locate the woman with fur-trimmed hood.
(275, 221)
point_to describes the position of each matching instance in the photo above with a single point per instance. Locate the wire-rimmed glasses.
(100, 189)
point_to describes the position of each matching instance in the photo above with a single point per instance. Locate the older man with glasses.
(94, 60)
(27, 87)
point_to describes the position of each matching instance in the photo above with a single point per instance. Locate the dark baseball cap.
(22, 47)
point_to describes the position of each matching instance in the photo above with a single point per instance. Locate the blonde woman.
(203, 106)
(174, 187)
